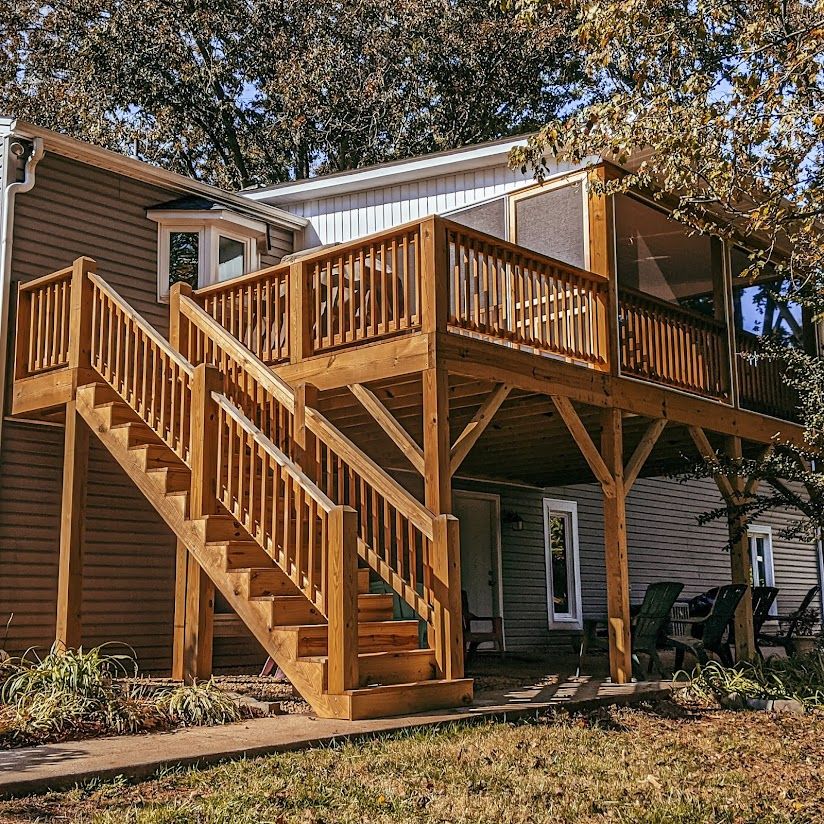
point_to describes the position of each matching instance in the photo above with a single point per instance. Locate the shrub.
(198, 705)
(800, 678)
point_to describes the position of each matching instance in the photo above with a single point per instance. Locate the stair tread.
(433, 683)
(372, 656)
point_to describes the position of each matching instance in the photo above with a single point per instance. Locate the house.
(307, 416)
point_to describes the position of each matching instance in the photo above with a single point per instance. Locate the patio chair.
(474, 638)
(786, 639)
(648, 624)
(714, 629)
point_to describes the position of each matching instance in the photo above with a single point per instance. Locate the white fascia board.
(388, 174)
(139, 170)
(218, 216)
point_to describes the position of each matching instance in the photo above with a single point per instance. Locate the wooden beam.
(752, 484)
(387, 421)
(740, 568)
(193, 636)
(202, 499)
(642, 452)
(706, 451)
(72, 519)
(477, 426)
(437, 475)
(300, 331)
(585, 443)
(615, 550)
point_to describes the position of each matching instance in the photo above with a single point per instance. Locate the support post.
(178, 324)
(740, 570)
(300, 308)
(601, 225)
(615, 550)
(194, 619)
(448, 621)
(306, 396)
(342, 601)
(72, 516)
(80, 328)
(204, 441)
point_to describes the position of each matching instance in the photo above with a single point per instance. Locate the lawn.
(664, 763)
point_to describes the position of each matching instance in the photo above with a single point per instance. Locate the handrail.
(243, 280)
(140, 365)
(666, 343)
(283, 460)
(316, 422)
(507, 292)
(44, 280)
(395, 531)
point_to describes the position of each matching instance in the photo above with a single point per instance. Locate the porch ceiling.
(526, 441)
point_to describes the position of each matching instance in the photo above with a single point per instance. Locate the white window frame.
(765, 532)
(573, 619)
(209, 225)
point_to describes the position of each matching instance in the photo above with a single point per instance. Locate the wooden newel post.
(204, 440)
(300, 312)
(80, 326)
(178, 324)
(448, 619)
(434, 276)
(342, 600)
(306, 397)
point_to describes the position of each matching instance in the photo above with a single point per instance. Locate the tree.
(722, 106)
(239, 92)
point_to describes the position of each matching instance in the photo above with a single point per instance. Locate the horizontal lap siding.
(665, 542)
(74, 210)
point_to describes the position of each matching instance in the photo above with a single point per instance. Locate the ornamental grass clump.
(799, 678)
(70, 691)
(197, 705)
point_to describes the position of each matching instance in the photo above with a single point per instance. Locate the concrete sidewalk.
(58, 766)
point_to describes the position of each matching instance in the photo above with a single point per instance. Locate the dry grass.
(653, 765)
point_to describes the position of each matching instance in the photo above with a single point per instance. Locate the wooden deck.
(431, 348)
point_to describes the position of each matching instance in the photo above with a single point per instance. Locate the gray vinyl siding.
(75, 209)
(665, 542)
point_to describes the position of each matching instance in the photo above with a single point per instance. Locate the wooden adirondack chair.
(474, 638)
(714, 628)
(762, 600)
(648, 624)
(786, 639)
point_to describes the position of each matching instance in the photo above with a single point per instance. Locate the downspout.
(10, 191)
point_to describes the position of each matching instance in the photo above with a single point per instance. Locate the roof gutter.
(10, 192)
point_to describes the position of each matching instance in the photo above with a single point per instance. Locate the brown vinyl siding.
(75, 209)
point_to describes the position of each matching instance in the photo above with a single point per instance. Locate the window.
(563, 575)
(203, 246)
(761, 558)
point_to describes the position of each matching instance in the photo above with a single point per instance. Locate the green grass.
(653, 766)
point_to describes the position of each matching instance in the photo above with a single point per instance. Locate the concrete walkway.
(57, 766)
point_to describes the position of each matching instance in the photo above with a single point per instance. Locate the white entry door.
(479, 515)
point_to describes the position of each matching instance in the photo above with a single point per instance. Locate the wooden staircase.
(282, 548)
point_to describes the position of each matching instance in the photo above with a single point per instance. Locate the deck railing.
(43, 322)
(665, 343)
(507, 293)
(761, 384)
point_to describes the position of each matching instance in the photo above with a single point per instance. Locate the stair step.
(222, 529)
(99, 393)
(363, 579)
(373, 636)
(403, 699)
(240, 555)
(155, 456)
(381, 668)
(136, 434)
(171, 478)
(293, 610)
(116, 413)
(267, 581)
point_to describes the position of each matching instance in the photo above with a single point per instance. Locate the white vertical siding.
(341, 218)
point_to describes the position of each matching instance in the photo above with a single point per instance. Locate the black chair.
(713, 628)
(786, 639)
(763, 599)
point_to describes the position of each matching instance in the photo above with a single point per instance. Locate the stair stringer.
(278, 643)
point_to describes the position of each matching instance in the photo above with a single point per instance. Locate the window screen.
(552, 223)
